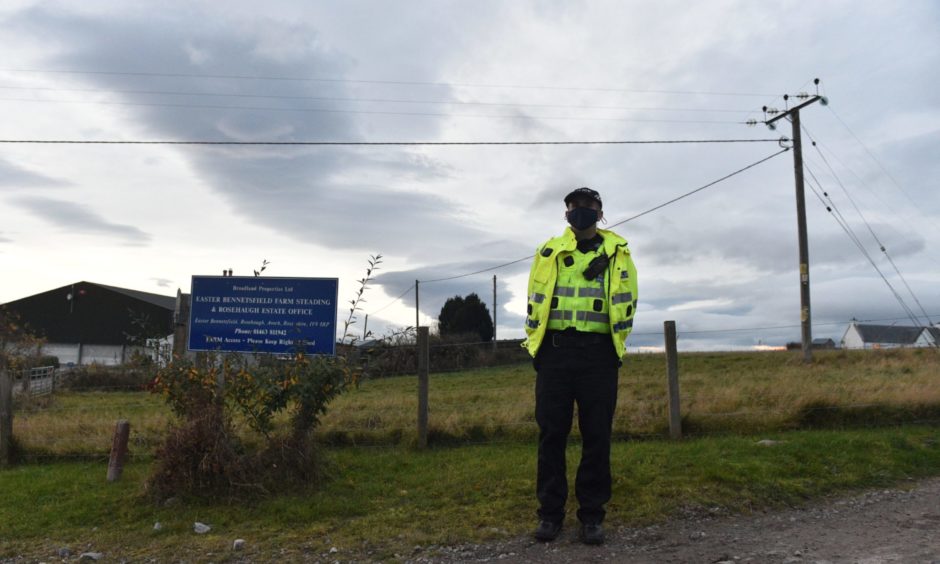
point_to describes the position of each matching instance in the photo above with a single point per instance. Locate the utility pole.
(794, 115)
(417, 314)
(494, 312)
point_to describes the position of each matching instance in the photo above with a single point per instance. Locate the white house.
(866, 336)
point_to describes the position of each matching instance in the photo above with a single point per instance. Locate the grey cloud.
(77, 218)
(163, 282)
(338, 196)
(4, 239)
(14, 176)
(434, 294)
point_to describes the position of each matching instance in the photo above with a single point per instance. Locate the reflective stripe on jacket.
(620, 288)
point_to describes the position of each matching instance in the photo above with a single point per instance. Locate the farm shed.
(866, 336)
(85, 322)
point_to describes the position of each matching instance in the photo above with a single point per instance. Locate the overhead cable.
(376, 143)
(878, 241)
(699, 189)
(885, 204)
(897, 184)
(386, 306)
(830, 206)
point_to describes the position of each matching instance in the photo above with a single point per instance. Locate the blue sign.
(263, 314)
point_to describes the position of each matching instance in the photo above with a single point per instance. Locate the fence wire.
(76, 425)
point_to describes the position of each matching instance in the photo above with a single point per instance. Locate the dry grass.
(721, 392)
(82, 423)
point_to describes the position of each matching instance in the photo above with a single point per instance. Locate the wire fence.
(495, 405)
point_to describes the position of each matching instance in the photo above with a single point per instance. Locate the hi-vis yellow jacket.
(620, 288)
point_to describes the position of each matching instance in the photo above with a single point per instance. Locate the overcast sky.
(148, 217)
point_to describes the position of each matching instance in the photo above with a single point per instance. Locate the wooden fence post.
(672, 374)
(6, 418)
(122, 432)
(424, 342)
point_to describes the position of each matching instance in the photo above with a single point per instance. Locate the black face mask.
(582, 218)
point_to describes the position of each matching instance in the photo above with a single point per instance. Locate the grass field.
(851, 420)
(386, 500)
(721, 393)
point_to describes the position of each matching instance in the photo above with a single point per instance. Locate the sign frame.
(262, 321)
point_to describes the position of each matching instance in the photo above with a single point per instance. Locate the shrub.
(106, 378)
(202, 455)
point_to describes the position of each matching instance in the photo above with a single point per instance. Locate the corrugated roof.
(896, 334)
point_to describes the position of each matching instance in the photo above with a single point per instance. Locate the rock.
(64, 552)
(158, 526)
(91, 556)
(333, 550)
(171, 502)
(201, 528)
(239, 544)
(768, 442)
(697, 535)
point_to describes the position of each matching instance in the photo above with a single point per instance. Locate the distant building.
(85, 323)
(866, 336)
(815, 343)
(823, 344)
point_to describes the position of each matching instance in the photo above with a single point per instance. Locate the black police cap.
(584, 192)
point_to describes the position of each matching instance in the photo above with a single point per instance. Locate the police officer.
(581, 302)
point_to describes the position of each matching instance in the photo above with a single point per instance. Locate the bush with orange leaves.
(203, 456)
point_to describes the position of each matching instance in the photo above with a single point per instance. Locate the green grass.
(838, 419)
(721, 393)
(387, 500)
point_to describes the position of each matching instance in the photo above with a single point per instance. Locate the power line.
(362, 100)
(848, 230)
(881, 166)
(699, 189)
(881, 245)
(908, 221)
(377, 143)
(362, 112)
(498, 266)
(723, 178)
(477, 271)
(394, 301)
(388, 82)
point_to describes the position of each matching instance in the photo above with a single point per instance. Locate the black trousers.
(585, 374)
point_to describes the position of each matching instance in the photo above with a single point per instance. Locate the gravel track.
(893, 525)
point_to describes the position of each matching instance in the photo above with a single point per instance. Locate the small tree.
(465, 315)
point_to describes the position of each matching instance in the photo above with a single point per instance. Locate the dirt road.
(894, 525)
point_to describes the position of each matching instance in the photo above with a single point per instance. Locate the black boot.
(547, 531)
(591, 533)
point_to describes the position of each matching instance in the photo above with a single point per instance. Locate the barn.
(86, 322)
